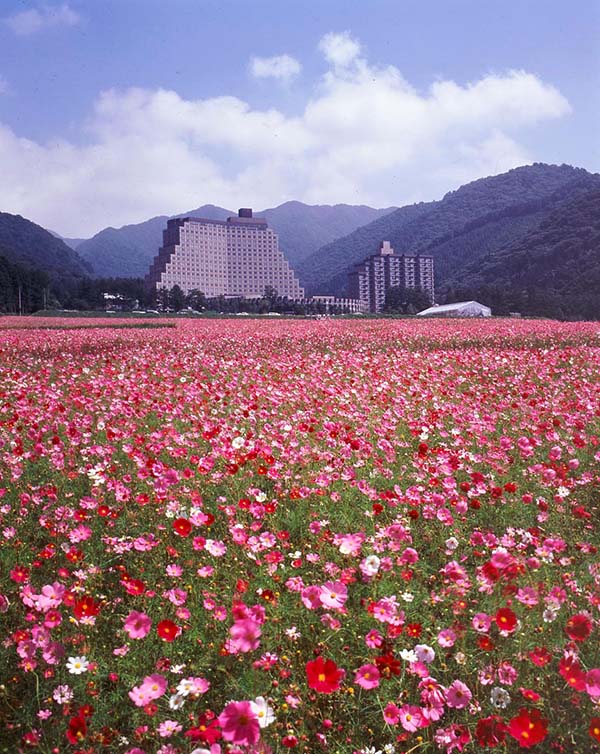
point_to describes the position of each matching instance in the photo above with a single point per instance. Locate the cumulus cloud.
(365, 135)
(281, 67)
(339, 48)
(36, 19)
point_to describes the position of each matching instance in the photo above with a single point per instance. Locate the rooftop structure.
(458, 309)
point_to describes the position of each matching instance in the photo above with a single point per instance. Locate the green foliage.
(554, 270)
(462, 229)
(402, 300)
(25, 243)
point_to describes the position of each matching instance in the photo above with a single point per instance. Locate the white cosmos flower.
(77, 665)
(263, 711)
(176, 701)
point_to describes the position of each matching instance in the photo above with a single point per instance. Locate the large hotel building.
(370, 280)
(236, 257)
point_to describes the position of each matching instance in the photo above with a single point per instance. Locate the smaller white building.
(458, 309)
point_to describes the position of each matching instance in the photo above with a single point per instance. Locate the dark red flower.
(578, 627)
(573, 673)
(76, 730)
(167, 630)
(490, 731)
(85, 608)
(387, 665)
(324, 676)
(528, 727)
(595, 728)
(207, 731)
(540, 656)
(506, 620)
(182, 527)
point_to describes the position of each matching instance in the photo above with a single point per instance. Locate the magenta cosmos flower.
(367, 677)
(239, 724)
(245, 635)
(137, 625)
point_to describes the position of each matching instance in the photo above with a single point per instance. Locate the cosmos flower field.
(312, 536)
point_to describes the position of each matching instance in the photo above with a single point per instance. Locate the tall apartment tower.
(236, 257)
(370, 280)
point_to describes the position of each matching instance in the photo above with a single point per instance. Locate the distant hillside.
(27, 244)
(302, 229)
(466, 225)
(554, 269)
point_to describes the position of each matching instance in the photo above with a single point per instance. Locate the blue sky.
(112, 111)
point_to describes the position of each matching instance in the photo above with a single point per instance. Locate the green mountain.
(461, 229)
(28, 245)
(302, 229)
(553, 270)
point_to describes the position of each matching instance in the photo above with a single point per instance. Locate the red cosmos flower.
(506, 620)
(19, 574)
(528, 727)
(85, 608)
(167, 630)
(540, 656)
(387, 665)
(595, 728)
(578, 627)
(182, 527)
(324, 676)
(573, 673)
(133, 586)
(490, 731)
(413, 630)
(207, 731)
(76, 730)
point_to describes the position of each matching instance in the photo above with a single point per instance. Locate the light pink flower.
(410, 717)
(334, 594)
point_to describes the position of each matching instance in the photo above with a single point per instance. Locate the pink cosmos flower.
(311, 597)
(391, 714)
(592, 682)
(458, 695)
(446, 638)
(333, 594)
(367, 677)
(482, 622)
(137, 625)
(373, 639)
(410, 717)
(239, 723)
(245, 635)
(154, 685)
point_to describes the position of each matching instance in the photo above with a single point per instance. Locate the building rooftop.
(449, 307)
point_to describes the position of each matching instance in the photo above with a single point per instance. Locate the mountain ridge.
(430, 227)
(302, 228)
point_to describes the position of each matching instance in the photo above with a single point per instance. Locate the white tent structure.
(459, 309)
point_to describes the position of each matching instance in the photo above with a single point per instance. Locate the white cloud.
(364, 136)
(36, 19)
(282, 67)
(339, 48)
